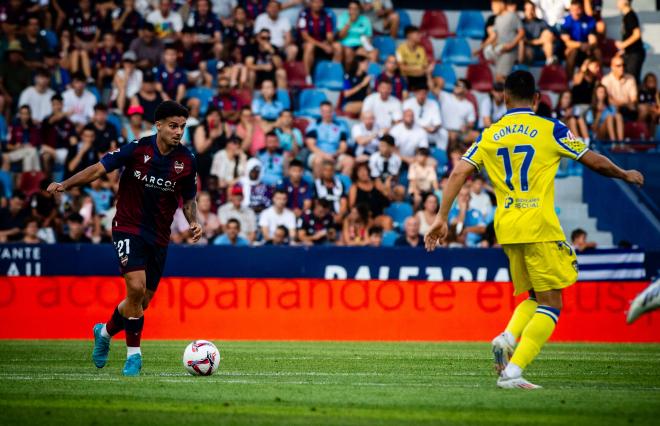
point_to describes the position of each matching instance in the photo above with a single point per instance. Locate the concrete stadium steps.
(573, 213)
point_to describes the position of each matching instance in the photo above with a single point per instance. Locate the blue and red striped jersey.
(317, 27)
(151, 187)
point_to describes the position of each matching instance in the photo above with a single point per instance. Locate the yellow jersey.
(521, 153)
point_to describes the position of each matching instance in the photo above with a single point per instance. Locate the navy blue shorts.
(135, 254)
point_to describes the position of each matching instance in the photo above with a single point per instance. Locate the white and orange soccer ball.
(201, 358)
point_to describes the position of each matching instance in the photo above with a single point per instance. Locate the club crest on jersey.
(146, 158)
(178, 166)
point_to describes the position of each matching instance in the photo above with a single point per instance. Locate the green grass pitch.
(312, 383)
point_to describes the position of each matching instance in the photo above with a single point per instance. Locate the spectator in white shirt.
(479, 198)
(492, 107)
(168, 23)
(366, 135)
(277, 215)
(235, 209)
(385, 162)
(427, 115)
(79, 102)
(127, 80)
(458, 114)
(280, 30)
(385, 107)
(552, 11)
(409, 136)
(38, 97)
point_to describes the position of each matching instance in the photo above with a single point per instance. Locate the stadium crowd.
(80, 78)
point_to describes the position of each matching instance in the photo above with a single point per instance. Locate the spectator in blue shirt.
(272, 159)
(470, 223)
(299, 191)
(231, 237)
(266, 107)
(291, 138)
(327, 139)
(101, 196)
(171, 77)
(579, 35)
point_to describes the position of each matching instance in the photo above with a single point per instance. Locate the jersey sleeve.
(567, 144)
(474, 155)
(119, 158)
(189, 184)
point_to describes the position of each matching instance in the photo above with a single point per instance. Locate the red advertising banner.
(311, 309)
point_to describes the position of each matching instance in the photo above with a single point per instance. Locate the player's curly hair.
(169, 109)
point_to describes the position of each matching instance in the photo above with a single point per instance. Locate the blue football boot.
(101, 347)
(133, 365)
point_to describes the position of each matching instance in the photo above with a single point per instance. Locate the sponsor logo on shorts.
(124, 260)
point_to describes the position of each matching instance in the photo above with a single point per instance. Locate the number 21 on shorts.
(123, 247)
(528, 150)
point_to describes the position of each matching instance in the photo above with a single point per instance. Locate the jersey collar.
(519, 111)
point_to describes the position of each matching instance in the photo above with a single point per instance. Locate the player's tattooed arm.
(83, 177)
(190, 212)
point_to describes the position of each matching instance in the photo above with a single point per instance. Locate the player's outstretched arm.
(604, 166)
(190, 212)
(439, 228)
(83, 177)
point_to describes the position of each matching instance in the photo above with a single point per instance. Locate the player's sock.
(133, 334)
(114, 325)
(536, 333)
(520, 318)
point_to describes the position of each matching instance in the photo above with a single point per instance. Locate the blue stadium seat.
(404, 21)
(446, 71)
(329, 75)
(284, 98)
(92, 88)
(440, 156)
(346, 181)
(389, 237)
(309, 102)
(457, 51)
(385, 45)
(212, 67)
(399, 211)
(115, 120)
(204, 94)
(520, 67)
(374, 71)
(471, 24)
(51, 39)
(333, 17)
(7, 183)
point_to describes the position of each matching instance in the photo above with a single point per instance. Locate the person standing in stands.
(631, 40)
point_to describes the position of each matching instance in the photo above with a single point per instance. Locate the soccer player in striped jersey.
(521, 153)
(158, 173)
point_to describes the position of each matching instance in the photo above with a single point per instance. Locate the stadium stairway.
(574, 213)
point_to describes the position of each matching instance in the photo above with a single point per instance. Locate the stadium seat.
(389, 238)
(553, 78)
(404, 21)
(471, 24)
(520, 67)
(7, 183)
(457, 51)
(346, 181)
(296, 75)
(440, 155)
(301, 124)
(547, 100)
(608, 50)
(115, 120)
(92, 88)
(309, 102)
(284, 97)
(385, 45)
(636, 131)
(28, 182)
(434, 24)
(329, 75)
(212, 67)
(51, 39)
(399, 211)
(480, 77)
(446, 71)
(428, 48)
(204, 94)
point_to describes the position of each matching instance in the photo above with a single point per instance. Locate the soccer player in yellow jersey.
(521, 153)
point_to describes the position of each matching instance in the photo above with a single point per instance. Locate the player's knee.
(135, 290)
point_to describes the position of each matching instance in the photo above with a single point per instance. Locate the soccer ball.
(201, 358)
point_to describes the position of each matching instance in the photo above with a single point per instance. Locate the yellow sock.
(521, 316)
(536, 333)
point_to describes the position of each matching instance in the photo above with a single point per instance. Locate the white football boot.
(502, 352)
(646, 301)
(515, 383)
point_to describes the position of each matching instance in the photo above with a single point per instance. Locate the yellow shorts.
(550, 265)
